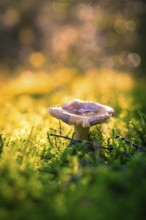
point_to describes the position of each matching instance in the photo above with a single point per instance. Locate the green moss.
(48, 177)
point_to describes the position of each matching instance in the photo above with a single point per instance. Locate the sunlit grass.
(42, 172)
(26, 97)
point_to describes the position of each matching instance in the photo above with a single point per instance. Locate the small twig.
(79, 142)
(140, 148)
(66, 137)
(108, 148)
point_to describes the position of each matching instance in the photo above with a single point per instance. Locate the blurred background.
(40, 34)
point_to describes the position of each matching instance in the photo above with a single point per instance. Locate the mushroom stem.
(81, 133)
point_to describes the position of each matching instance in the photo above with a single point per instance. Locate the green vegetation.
(50, 53)
(47, 177)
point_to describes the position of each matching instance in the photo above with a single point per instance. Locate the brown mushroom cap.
(82, 113)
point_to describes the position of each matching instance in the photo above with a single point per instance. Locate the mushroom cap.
(82, 113)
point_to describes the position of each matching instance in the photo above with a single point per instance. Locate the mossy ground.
(47, 177)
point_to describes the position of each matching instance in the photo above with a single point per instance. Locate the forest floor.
(48, 177)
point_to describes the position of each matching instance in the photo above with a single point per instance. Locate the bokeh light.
(83, 35)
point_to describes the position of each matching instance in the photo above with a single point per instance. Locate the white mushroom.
(83, 115)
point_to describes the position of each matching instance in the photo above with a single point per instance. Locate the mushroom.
(82, 114)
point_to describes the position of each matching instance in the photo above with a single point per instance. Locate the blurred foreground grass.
(43, 177)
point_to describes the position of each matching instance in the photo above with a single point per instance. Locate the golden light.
(36, 59)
